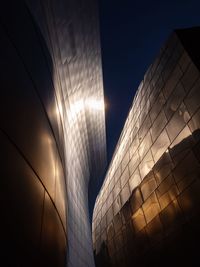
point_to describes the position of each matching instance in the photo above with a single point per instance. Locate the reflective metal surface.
(52, 131)
(153, 217)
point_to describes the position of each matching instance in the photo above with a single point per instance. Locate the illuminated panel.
(77, 79)
(147, 205)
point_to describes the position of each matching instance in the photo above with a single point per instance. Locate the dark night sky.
(132, 33)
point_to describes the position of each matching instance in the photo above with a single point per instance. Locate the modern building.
(147, 212)
(52, 133)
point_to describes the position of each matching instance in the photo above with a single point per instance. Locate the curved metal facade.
(52, 130)
(147, 211)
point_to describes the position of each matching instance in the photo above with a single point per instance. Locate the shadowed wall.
(33, 190)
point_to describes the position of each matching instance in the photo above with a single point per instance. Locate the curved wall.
(147, 211)
(33, 191)
(52, 130)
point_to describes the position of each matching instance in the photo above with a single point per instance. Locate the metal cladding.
(147, 211)
(52, 132)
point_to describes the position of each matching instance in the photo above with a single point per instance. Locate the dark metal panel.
(167, 191)
(53, 238)
(192, 99)
(24, 118)
(190, 76)
(22, 196)
(148, 185)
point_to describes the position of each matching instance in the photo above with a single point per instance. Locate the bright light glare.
(77, 106)
(80, 105)
(59, 108)
(75, 109)
(95, 104)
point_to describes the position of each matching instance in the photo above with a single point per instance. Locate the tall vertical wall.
(52, 130)
(147, 211)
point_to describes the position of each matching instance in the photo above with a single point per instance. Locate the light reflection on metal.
(82, 106)
(158, 148)
(95, 104)
(79, 91)
(52, 129)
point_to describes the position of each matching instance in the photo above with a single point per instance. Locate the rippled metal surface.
(52, 130)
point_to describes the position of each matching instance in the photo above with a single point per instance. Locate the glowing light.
(60, 107)
(81, 105)
(75, 109)
(95, 104)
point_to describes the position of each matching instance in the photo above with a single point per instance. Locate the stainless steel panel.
(184, 61)
(151, 207)
(125, 161)
(144, 128)
(133, 163)
(117, 221)
(174, 100)
(186, 171)
(163, 167)
(181, 145)
(171, 216)
(22, 196)
(189, 200)
(190, 77)
(167, 191)
(136, 200)
(134, 180)
(158, 125)
(164, 147)
(125, 177)
(144, 146)
(125, 194)
(148, 185)
(138, 220)
(192, 99)
(146, 165)
(177, 122)
(110, 231)
(160, 146)
(155, 231)
(172, 81)
(155, 109)
(53, 239)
